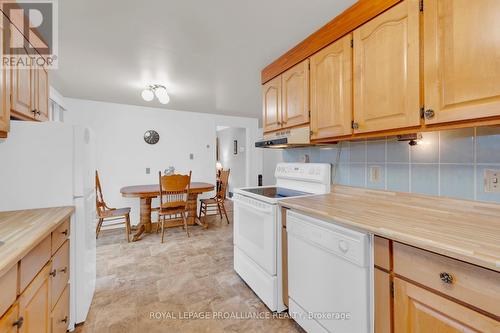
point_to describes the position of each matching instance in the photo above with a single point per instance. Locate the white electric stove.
(257, 226)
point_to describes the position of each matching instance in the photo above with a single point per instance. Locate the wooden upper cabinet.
(331, 90)
(386, 70)
(461, 59)
(417, 310)
(271, 104)
(295, 95)
(41, 93)
(4, 94)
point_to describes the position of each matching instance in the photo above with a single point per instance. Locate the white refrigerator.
(53, 164)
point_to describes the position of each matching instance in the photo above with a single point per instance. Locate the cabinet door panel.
(462, 59)
(41, 94)
(295, 95)
(4, 94)
(271, 104)
(331, 90)
(21, 85)
(417, 310)
(34, 304)
(8, 320)
(386, 84)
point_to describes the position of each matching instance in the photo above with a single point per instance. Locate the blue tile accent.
(358, 152)
(342, 176)
(427, 151)
(424, 179)
(375, 151)
(457, 181)
(345, 152)
(398, 151)
(357, 174)
(398, 177)
(457, 146)
(488, 145)
(327, 155)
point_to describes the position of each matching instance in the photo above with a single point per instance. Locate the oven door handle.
(253, 207)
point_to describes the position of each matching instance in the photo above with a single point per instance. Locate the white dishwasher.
(330, 276)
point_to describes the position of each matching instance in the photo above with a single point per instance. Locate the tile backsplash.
(447, 163)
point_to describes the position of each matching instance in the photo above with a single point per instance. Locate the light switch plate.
(148, 171)
(191, 156)
(491, 180)
(375, 173)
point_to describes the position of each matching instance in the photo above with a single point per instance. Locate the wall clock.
(152, 137)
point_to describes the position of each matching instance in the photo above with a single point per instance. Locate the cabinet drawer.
(60, 272)
(382, 256)
(8, 287)
(474, 285)
(33, 262)
(60, 315)
(60, 235)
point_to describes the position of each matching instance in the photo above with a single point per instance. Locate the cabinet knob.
(19, 322)
(53, 273)
(446, 277)
(429, 114)
(65, 232)
(64, 320)
(63, 270)
(355, 125)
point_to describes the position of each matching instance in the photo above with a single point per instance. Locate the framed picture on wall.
(235, 147)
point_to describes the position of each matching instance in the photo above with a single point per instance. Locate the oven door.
(255, 231)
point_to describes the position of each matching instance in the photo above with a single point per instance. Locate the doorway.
(231, 154)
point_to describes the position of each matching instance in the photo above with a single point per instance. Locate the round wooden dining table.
(147, 192)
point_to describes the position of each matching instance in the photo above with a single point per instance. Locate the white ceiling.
(208, 53)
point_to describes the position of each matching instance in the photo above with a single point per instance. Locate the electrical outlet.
(491, 180)
(375, 174)
(191, 156)
(148, 171)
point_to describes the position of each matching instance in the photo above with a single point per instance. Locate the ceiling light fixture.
(157, 90)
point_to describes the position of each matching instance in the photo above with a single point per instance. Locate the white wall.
(237, 163)
(123, 156)
(271, 157)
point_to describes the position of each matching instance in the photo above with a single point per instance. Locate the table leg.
(145, 219)
(192, 210)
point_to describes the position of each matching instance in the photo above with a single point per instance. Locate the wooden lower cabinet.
(10, 321)
(60, 315)
(34, 304)
(382, 301)
(417, 310)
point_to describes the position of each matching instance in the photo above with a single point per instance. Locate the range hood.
(287, 138)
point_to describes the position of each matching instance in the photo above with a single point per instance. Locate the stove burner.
(275, 192)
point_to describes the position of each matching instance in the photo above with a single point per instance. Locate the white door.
(255, 231)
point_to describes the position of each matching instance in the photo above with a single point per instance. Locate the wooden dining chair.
(174, 193)
(217, 202)
(105, 213)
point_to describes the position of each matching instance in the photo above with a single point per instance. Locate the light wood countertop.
(22, 230)
(460, 229)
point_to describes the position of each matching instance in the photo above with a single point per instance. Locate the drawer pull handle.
(446, 277)
(64, 320)
(19, 322)
(64, 270)
(65, 232)
(53, 273)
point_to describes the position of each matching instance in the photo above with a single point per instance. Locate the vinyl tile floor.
(183, 285)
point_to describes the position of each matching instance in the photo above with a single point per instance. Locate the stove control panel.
(312, 172)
